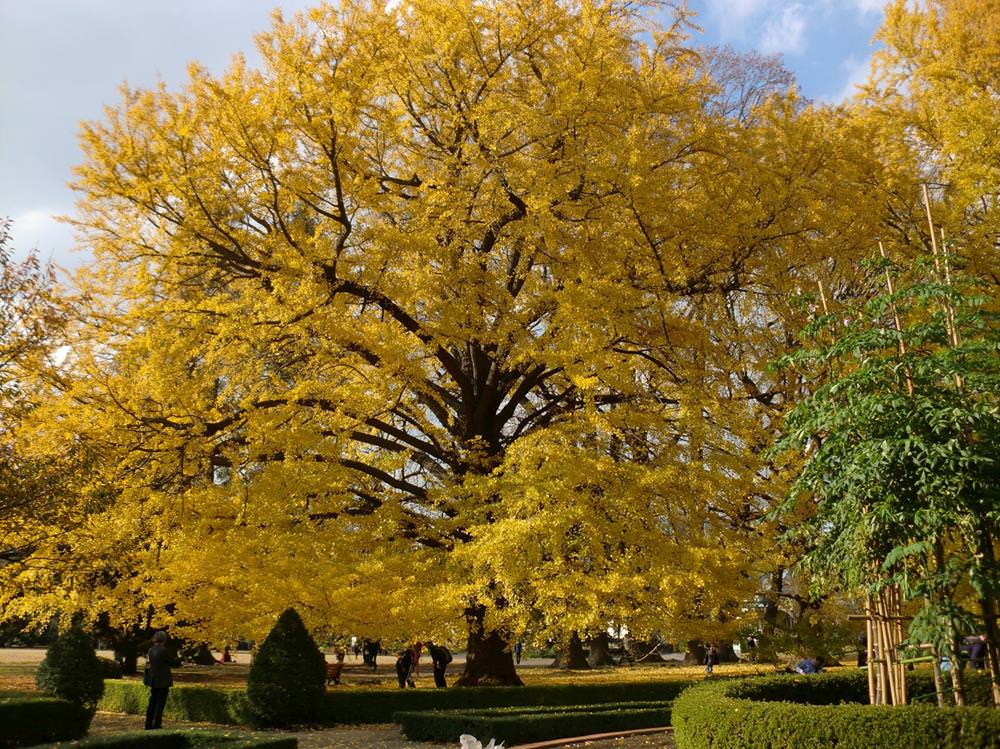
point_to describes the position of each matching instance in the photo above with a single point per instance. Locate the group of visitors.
(408, 664)
(158, 675)
(805, 666)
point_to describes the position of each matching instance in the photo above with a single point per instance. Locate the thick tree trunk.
(127, 654)
(771, 609)
(197, 653)
(600, 651)
(727, 654)
(646, 652)
(488, 659)
(576, 657)
(694, 653)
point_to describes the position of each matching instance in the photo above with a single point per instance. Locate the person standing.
(977, 653)
(518, 648)
(158, 678)
(370, 651)
(440, 658)
(711, 659)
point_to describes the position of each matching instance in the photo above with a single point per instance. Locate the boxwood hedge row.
(230, 706)
(519, 725)
(189, 739)
(803, 712)
(33, 720)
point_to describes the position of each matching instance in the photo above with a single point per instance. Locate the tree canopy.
(453, 308)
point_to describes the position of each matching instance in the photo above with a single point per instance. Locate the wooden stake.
(870, 661)
(822, 298)
(897, 620)
(901, 344)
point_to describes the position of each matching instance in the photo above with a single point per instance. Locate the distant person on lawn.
(711, 659)
(406, 666)
(159, 679)
(977, 653)
(440, 658)
(810, 665)
(333, 669)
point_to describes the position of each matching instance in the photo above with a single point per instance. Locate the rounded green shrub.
(71, 669)
(288, 677)
(819, 711)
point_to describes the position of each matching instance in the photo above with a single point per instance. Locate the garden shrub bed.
(37, 720)
(225, 706)
(802, 711)
(230, 706)
(187, 739)
(519, 725)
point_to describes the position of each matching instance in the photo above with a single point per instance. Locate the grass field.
(17, 677)
(21, 676)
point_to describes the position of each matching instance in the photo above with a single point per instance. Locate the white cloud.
(733, 15)
(786, 33)
(855, 74)
(39, 230)
(864, 7)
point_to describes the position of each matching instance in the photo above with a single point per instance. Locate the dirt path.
(381, 736)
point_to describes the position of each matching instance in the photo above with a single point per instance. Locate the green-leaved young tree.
(900, 441)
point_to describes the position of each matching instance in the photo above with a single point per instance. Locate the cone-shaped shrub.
(288, 675)
(71, 669)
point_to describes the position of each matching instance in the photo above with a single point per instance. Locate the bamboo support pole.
(870, 646)
(890, 648)
(943, 269)
(897, 623)
(900, 343)
(822, 298)
(886, 675)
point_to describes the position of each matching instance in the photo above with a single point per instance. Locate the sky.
(62, 61)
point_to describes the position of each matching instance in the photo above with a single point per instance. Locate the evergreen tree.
(71, 669)
(287, 679)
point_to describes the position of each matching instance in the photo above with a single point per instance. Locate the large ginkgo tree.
(451, 318)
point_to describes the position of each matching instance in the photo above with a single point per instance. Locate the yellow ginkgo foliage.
(451, 320)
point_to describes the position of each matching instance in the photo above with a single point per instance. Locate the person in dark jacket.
(405, 667)
(977, 653)
(159, 679)
(440, 658)
(711, 658)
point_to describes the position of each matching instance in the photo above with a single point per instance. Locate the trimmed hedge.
(371, 706)
(36, 720)
(230, 706)
(188, 739)
(746, 714)
(184, 702)
(520, 725)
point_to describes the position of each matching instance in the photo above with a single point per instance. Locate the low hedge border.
(189, 739)
(34, 720)
(521, 725)
(189, 703)
(230, 706)
(775, 712)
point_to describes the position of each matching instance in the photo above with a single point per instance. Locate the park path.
(380, 736)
